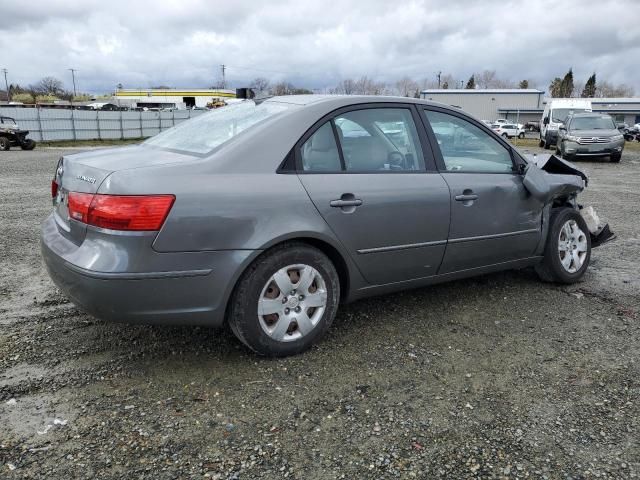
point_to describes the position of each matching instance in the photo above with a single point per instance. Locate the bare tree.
(406, 86)
(609, 90)
(48, 86)
(259, 84)
(345, 87)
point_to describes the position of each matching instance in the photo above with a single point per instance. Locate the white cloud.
(315, 43)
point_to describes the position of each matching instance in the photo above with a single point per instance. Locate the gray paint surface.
(231, 206)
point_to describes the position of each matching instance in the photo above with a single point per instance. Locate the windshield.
(603, 122)
(209, 130)
(560, 114)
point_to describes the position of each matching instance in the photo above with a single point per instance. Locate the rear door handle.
(466, 198)
(347, 202)
(356, 202)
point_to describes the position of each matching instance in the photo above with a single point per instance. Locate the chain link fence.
(51, 124)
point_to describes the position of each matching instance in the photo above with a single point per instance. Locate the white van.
(555, 112)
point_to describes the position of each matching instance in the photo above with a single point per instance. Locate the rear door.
(367, 172)
(493, 217)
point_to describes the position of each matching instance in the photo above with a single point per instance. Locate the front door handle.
(347, 202)
(467, 198)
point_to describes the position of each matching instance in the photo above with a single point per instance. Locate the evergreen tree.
(555, 87)
(589, 90)
(524, 84)
(471, 83)
(566, 86)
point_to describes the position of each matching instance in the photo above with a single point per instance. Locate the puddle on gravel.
(34, 417)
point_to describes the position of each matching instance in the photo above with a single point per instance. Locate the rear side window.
(379, 139)
(320, 152)
(467, 148)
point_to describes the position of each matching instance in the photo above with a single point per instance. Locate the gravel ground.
(495, 377)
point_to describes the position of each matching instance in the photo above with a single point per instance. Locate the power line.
(5, 71)
(73, 76)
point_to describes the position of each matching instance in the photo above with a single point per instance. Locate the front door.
(493, 217)
(374, 192)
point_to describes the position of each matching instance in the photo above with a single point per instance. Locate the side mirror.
(545, 120)
(562, 127)
(621, 126)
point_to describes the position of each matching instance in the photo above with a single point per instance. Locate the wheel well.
(330, 251)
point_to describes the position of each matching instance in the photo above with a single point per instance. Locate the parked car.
(268, 215)
(555, 113)
(532, 126)
(590, 134)
(508, 130)
(11, 135)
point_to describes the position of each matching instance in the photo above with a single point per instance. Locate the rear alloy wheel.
(286, 300)
(568, 249)
(4, 143)
(505, 136)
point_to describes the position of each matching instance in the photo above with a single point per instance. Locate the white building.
(172, 98)
(524, 105)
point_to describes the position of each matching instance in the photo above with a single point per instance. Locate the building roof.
(178, 92)
(530, 91)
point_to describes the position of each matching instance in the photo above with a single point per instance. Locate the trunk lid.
(85, 172)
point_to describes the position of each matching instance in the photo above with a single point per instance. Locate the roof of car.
(588, 114)
(343, 100)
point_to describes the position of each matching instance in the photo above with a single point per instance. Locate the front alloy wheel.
(568, 247)
(572, 246)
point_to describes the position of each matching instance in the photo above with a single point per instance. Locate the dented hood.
(548, 177)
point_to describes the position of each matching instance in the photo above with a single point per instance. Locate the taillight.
(54, 189)
(120, 212)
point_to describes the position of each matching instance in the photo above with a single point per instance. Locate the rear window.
(202, 134)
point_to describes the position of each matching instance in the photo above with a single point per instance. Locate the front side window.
(467, 148)
(379, 139)
(207, 131)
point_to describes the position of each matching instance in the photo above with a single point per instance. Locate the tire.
(541, 143)
(268, 334)
(5, 144)
(553, 267)
(521, 135)
(505, 136)
(28, 144)
(616, 157)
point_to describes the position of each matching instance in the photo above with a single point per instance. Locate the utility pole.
(223, 67)
(438, 75)
(73, 77)
(5, 71)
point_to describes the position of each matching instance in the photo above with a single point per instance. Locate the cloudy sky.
(315, 43)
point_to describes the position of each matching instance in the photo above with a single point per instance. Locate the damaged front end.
(556, 182)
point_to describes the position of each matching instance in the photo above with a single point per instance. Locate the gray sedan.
(267, 215)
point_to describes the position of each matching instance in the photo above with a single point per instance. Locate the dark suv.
(590, 134)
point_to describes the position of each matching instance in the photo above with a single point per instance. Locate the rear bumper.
(195, 294)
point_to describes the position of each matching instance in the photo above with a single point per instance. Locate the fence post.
(98, 124)
(73, 124)
(121, 128)
(141, 132)
(40, 124)
(159, 122)
(173, 118)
